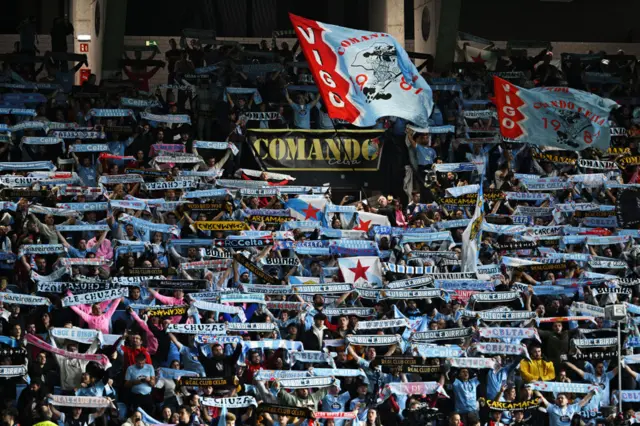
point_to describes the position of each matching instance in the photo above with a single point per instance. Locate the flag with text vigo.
(363, 75)
(553, 116)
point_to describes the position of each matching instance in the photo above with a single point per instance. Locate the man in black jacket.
(219, 365)
(312, 339)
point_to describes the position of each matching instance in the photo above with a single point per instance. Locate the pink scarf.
(99, 358)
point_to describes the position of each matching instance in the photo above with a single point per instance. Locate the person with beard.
(219, 365)
(555, 343)
(29, 400)
(536, 368)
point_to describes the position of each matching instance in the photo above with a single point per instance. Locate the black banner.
(204, 207)
(13, 352)
(627, 208)
(186, 285)
(516, 245)
(317, 150)
(594, 355)
(242, 243)
(143, 272)
(270, 220)
(393, 361)
(553, 158)
(285, 410)
(207, 381)
(24, 193)
(168, 312)
(255, 270)
(545, 267)
(513, 405)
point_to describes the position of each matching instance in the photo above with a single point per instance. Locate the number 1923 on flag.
(560, 117)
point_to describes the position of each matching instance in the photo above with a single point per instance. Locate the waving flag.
(363, 75)
(307, 207)
(365, 221)
(472, 234)
(553, 116)
(361, 269)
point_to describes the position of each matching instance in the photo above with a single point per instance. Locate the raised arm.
(578, 371)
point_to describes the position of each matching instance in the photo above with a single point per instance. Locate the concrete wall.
(83, 14)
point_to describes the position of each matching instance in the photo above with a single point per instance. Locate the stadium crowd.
(147, 277)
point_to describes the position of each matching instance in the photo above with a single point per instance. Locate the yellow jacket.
(537, 369)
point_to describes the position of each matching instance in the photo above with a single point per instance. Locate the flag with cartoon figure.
(363, 75)
(553, 116)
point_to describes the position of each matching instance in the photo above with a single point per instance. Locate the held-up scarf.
(445, 334)
(220, 339)
(478, 285)
(280, 261)
(206, 264)
(509, 333)
(197, 328)
(95, 297)
(80, 401)
(94, 147)
(52, 211)
(311, 357)
(101, 359)
(557, 387)
(170, 373)
(267, 289)
(41, 249)
(436, 351)
(175, 184)
(60, 287)
(630, 396)
(120, 179)
(7, 371)
(471, 362)
(503, 296)
(216, 307)
(358, 312)
(413, 388)
(506, 316)
(285, 410)
(139, 103)
(501, 348)
(251, 326)
(77, 134)
(323, 288)
(24, 299)
(230, 402)
(512, 406)
(374, 340)
(83, 207)
(595, 343)
(242, 298)
(83, 336)
(171, 118)
(374, 325)
(216, 146)
(410, 283)
(404, 269)
(32, 165)
(271, 375)
(269, 116)
(309, 382)
(414, 294)
(145, 224)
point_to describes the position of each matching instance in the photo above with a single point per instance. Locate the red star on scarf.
(478, 59)
(310, 212)
(359, 271)
(363, 225)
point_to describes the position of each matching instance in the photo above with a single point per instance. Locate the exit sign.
(151, 43)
